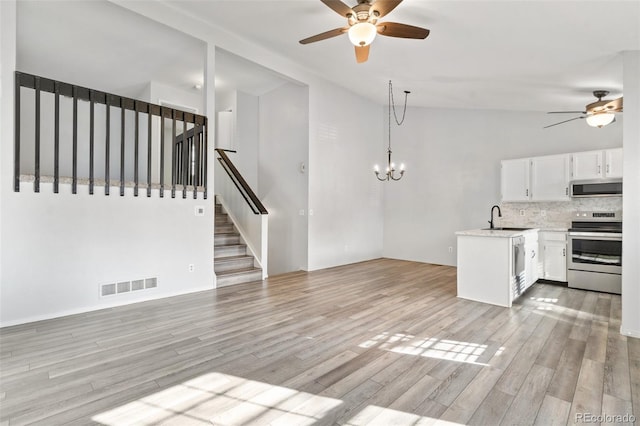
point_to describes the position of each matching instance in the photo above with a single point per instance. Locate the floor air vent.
(128, 286)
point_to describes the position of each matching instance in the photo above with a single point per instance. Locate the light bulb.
(376, 168)
(402, 167)
(362, 33)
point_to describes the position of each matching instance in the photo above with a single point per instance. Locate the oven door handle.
(610, 235)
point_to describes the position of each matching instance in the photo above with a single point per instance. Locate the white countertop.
(504, 234)
(494, 233)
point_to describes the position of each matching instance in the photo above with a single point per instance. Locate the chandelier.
(390, 173)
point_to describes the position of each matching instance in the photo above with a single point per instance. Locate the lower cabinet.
(553, 252)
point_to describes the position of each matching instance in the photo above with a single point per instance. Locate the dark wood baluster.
(161, 152)
(173, 156)
(136, 143)
(16, 142)
(196, 153)
(91, 140)
(56, 140)
(185, 157)
(205, 156)
(122, 147)
(74, 164)
(107, 138)
(36, 180)
(149, 143)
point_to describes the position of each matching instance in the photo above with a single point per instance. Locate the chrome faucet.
(499, 215)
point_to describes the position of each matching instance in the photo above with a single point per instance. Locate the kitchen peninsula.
(496, 265)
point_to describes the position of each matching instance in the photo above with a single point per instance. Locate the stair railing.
(189, 156)
(243, 187)
(243, 207)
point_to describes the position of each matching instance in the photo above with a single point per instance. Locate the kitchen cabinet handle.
(607, 168)
(566, 191)
(564, 252)
(527, 193)
(533, 254)
(599, 169)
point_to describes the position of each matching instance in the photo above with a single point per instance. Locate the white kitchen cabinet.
(553, 253)
(550, 178)
(596, 164)
(586, 165)
(613, 160)
(514, 180)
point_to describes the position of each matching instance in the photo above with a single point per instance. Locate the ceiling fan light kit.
(598, 114)
(363, 25)
(600, 119)
(362, 33)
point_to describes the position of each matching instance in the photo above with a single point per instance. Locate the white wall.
(631, 199)
(453, 171)
(346, 199)
(283, 189)
(246, 137)
(64, 246)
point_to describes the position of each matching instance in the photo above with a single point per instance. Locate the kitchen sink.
(506, 229)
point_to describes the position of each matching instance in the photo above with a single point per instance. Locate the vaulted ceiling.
(502, 54)
(536, 55)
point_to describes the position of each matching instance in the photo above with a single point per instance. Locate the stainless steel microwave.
(596, 188)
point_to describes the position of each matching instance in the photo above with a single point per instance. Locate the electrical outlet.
(522, 212)
(199, 210)
(192, 267)
(543, 213)
(301, 212)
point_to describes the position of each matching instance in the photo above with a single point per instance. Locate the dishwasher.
(518, 279)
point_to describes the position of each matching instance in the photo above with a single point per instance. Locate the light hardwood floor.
(379, 342)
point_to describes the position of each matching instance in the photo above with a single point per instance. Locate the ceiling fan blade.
(394, 29)
(565, 121)
(339, 7)
(567, 112)
(382, 7)
(325, 35)
(362, 53)
(614, 106)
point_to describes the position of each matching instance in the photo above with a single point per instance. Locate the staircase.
(232, 262)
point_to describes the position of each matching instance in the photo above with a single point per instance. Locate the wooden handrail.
(247, 193)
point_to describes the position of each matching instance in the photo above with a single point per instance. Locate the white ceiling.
(536, 55)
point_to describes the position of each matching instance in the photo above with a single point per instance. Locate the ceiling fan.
(598, 114)
(363, 25)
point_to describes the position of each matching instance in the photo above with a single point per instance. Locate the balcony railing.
(74, 137)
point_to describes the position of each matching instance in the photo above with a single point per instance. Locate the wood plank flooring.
(377, 343)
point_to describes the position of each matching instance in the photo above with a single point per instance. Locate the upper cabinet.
(613, 166)
(547, 178)
(596, 164)
(514, 177)
(550, 178)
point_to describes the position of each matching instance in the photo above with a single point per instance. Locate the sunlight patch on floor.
(544, 303)
(221, 399)
(447, 349)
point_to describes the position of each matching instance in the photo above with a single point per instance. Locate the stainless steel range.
(595, 248)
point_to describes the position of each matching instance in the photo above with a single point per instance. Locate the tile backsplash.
(553, 214)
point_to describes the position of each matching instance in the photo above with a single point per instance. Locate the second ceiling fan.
(598, 113)
(363, 25)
